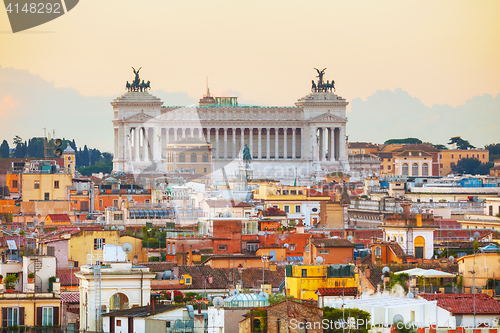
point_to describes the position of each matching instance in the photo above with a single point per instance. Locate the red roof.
(464, 303)
(70, 297)
(59, 217)
(351, 291)
(67, 276)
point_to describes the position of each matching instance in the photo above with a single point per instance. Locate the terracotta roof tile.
(464, 303)
(70, 297)
(332, 242)
(351, 291)
(67, 276)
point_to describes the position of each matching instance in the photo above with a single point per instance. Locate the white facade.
(121, 286)
(406, 237)
(311, 136)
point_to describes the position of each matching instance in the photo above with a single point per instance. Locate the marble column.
(146, 144)
(285, 146)
(217, 144)
(155, 144)
(208, 137)
(268, 148)
(234, 142)
(250, 138)
(294, 142)
(276, 148)
(242, 139)
(184, 132)
(332, 144)
(137, 132)
(259, 143)
(175, 134)
(225, 143)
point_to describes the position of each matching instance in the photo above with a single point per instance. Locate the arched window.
(204, 158)
(425, 169)
(194, 157)
(378, 251)
(414, 169)
(404, 172)
(118, 301)
(182, 157)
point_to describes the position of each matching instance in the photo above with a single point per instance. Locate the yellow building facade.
(302, 281)
(91, 243)
(188, 154)
(30, 309)
(46, 186)
(449, 158)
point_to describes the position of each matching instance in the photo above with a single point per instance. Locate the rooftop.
(464, 303)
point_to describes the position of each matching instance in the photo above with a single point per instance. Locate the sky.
(427, 69)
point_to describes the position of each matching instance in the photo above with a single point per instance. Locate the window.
(118, 217)
(304, 273)
(414, 169)
(47, 316)
(12, 317)
(314, 210)
(388, 167)
(205, 170)
(401, 239)
(188, 281)
(291, 247)
(285, 192)
(252, 247)
(222, 248)
(46, 196)
(378, 251)
(404, 171)
(293, 192)
(99, 243)
(459, 156)
(37, 184)
(100, 202)
(286, 208)
(204, 157)
(467, 156)
(194, 158)
(56, 184)
(452, 155)
(323, 251)
(119, 322)
(146, 201)
(297, 208)
(115, 202)
(14, 184)
(440, 155)
(484, 156)
(425, 169)
(182, 157)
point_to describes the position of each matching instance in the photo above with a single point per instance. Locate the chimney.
(190, 256)
(310, 251)
(199, 307)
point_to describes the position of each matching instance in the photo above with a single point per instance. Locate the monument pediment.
(327, 118)
(140, 117)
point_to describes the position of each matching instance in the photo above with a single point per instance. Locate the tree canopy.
(494, 150)
(4, 149)
(460, 143)
(472, 166)
(403, 141)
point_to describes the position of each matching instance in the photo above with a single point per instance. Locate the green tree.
(336, 318)
(494, 150)
(276, 298)
(4, 149)
(440, 147)
(460, 143)
(403, 141)
(472, 166)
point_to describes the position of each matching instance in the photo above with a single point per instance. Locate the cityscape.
(303, 191)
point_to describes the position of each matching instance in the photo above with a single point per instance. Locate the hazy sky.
(441, 52)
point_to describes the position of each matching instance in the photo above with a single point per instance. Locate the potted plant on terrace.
(10, 281)
(31, 277)
(1, 278)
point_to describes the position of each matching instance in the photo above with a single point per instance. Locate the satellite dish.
(121, 228)
(129, 197)
(285, 245)
(127, 247)
(113, 228)
(35, 221)
(349, 238)
(234, 292)
(386, 269)
(228, 214)
(471, 239)
(477, 235)
(410, 295)
(414, 211)
(382, 277)
(451, 258)
(400, 210)
(319, 260)
(398, 319)
(264, 294)
(218, 302)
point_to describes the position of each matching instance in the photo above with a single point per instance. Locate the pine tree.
(4, 149)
